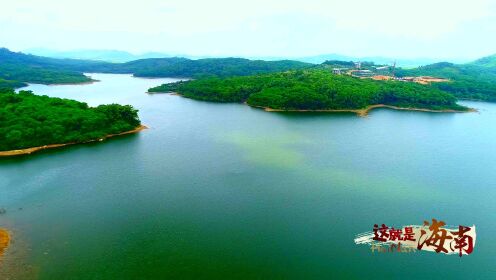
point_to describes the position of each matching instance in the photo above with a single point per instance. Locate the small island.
(30, 123)
(316, 90)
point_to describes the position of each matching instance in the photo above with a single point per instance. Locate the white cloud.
(189, 25)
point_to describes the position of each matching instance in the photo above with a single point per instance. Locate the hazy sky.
(400, 28)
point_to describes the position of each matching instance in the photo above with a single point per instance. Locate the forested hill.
(20, 68)
(28, 120)
(488, 61)
(476, 80)
(219, 67)
(6, 84)
(208, 67)
(313, 90)
(10, 57)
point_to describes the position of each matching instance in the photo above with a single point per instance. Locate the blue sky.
(400, 28)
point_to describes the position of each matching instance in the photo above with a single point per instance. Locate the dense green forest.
(213, 67)
(24, 68)
(187, 68)
(20, 68)
(6, 84)
(28, 120)
(312, 90)
(475, 80)
(468, 81)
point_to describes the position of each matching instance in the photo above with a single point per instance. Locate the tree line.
(312, 90)
(28, 120)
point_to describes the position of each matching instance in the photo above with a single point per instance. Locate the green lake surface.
(225, 191)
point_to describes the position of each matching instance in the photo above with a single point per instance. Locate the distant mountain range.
(100, 55)
(123, 56)
(380, 60)
(488, 61)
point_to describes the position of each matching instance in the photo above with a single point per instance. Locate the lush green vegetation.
(183, 67)
(20, 68)
(35, 69)
(488, 61)
(211, 67)
(468, 81)
(6, 84)
(312, 90)
(28, 120)
(21, 73)
(475, 80)
(350, 64)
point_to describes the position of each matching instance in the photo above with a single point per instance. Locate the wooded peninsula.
(28, 120)
(313, 90)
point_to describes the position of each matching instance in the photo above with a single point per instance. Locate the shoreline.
(364, 112)
(59, 84)
(28, 151)
(72, 84)
(360, 112)
(4, 241)
(166, 92)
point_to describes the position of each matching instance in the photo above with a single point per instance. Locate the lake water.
(228, 191)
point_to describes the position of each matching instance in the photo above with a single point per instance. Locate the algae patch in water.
(4, 241)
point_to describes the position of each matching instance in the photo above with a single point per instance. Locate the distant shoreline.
(72, 83)
(164, 92)
(364, 112)
(360, 112)
(26, 84)
(28, 151)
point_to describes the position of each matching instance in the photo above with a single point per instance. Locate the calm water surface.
(228, 191)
